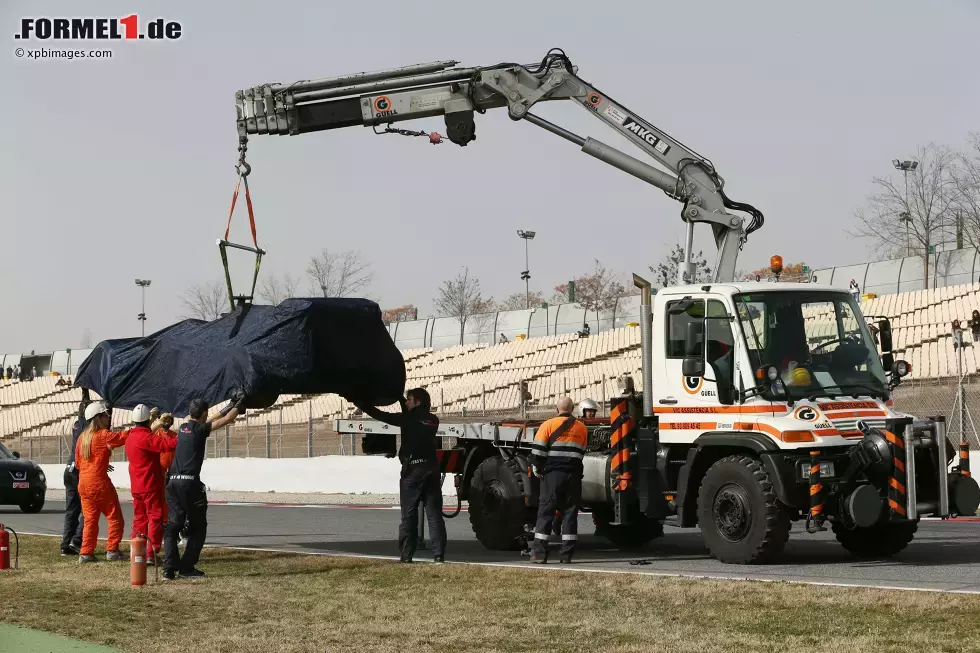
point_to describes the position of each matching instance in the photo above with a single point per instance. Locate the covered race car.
(301, 346)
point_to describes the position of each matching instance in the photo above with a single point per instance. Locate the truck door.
(717, 386)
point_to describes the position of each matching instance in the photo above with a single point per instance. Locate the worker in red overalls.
(98, 494)
(143, 449)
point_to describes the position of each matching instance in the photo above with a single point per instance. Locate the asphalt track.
(944, 556)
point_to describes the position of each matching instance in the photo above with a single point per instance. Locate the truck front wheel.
(740, 516)
(878, 541)
(496, 505)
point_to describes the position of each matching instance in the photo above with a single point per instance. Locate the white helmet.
(588, 404)
(141, 413)
(95, 408)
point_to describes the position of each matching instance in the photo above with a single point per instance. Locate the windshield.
(818, 341)
(5, 453)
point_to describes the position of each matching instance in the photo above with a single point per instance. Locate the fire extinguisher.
(137, 561)
(5, 547)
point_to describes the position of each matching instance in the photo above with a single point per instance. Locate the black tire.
(879, 541)
(496, 505)
(634, 536)
(33, 506)
(741, 519)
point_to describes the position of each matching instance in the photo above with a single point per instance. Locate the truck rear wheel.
(496, 505)
(741, 519)
(878, 541)
(631, 536)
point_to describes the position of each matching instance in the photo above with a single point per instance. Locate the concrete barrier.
(320, 475)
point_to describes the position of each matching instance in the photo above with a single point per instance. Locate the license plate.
(826, 470)
(21, 485)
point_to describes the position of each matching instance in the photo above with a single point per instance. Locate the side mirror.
(681, 306)
(16, 454)
(888, 360)
(694, 340)
(693, 364)
(885, 336)
(693, 367)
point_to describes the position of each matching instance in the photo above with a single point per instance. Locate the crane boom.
(440, 88)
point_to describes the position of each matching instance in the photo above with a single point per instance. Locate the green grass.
(262, 601)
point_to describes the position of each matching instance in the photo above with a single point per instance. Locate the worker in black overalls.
(186, 494)
(71, 537)
(420, 478)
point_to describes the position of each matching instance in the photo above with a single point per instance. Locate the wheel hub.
(493, 499)
(732, 514)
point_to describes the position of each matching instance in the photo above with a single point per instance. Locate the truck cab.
(716, 340)
(770, 403)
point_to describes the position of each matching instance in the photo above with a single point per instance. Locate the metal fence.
(268, 435)
(932, 397)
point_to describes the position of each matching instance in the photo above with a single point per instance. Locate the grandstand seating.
(485, 379)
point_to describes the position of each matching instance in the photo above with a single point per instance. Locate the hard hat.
(801, 377)
(588, 404)
(141, 413)
(95, 408)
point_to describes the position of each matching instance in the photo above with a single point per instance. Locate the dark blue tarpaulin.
(301, 346)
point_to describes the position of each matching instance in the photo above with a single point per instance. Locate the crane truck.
(759, 405)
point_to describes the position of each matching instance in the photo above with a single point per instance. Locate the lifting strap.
(223, 244)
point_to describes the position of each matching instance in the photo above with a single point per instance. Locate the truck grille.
(848, 427)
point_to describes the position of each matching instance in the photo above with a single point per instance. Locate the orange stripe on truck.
(894, 439)
(688, 426)
(848, 405)
(725, 410)
(855, 413)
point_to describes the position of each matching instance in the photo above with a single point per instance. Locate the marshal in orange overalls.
(96, 490)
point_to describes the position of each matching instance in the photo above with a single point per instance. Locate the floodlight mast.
(439, 88)
(526, 274)
(143, 284)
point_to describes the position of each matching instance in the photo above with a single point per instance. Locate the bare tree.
(338, 274)
(86, 338)
(518, 301)
(966, 180)
(205, 301)
(483, 316)
(274, 289)
(791, 273)
(461, 298)
(911, 215)
(598, 291)
(400, 314)
(666, 273)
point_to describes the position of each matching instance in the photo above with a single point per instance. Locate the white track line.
(536, 567)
